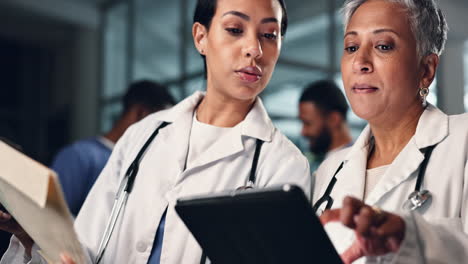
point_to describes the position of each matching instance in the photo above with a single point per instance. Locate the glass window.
(157, 40)
(110, 113)
(162, 49)
(307, 38)
(190, 86)
(432, 96)
(466, 75)
(115, 50)
(339, 33)
(195, 84)
(194, 60)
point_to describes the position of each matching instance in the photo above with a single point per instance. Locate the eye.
(384, 48)
(351, 49)
(234, 31)
(270, 36)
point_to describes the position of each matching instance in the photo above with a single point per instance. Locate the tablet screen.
(272, 225)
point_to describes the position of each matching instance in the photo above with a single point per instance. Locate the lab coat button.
(141, 246)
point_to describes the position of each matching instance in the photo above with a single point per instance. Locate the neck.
(391, 137)
(222, 111)
(340, 138)
(118, 129)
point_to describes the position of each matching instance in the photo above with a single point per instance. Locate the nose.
(362, 62)
(253, 48)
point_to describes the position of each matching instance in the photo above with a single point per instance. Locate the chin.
(366, 111)
(248, 92)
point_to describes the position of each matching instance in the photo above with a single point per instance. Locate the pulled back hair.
(205, 11)
(149, 94)
(426, 20)
(327, 96)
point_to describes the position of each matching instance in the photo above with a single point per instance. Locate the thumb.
(65, 259)
(353, 253)
(328, 216)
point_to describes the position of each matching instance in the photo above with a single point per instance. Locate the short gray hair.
(427, 23)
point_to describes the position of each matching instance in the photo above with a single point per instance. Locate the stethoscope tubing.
(126, 187)
(326, 197)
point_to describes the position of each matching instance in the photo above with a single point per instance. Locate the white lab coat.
(436, 233)
(161, 180)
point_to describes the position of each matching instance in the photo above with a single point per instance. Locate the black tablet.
(274, 225)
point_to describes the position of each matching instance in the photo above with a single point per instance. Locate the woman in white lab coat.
(391, 53)
(207, 146)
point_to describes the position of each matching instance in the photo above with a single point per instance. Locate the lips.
(250, 74)
(364, 88)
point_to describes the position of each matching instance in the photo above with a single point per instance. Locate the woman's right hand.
(65, 259)
(377, 232)
(9, 224)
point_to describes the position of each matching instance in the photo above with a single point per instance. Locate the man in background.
(322, 110)
(79, 164)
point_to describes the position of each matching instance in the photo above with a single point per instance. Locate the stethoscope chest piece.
(417, 199)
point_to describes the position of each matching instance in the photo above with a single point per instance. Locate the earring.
(423, 92)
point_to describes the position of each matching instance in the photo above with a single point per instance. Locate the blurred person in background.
(401, 191)
(322, 110)
(79, 164)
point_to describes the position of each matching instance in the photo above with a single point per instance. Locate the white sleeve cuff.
(16, 254)
(410, 248)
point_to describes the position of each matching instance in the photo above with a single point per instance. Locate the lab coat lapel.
(175, 136)
(431, 129)
(227, 145)
(352, 177)
(404, 165)
(256, 125)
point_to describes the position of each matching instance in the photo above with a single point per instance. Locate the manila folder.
(32, 195)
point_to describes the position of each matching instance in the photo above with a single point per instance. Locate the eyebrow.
(247, 18)
(377, 31)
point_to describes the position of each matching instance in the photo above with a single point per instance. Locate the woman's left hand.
(377, 232)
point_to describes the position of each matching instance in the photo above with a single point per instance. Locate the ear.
(199, 34)
(334, 119)
(429, 67)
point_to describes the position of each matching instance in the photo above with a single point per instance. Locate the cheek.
(400, 77)
(269, 59)
(346, 70)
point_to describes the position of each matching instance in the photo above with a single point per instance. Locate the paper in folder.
(32, 195)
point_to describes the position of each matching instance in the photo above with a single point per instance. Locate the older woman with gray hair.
(400, 193)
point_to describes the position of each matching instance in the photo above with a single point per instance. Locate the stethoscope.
(126, 186)
(415, 200)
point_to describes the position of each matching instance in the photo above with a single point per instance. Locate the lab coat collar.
(256, 124)
(432, 128)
